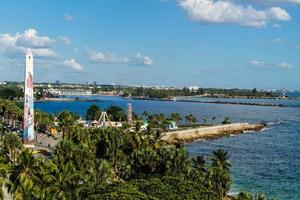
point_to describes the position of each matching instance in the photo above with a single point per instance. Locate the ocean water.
(268, 160)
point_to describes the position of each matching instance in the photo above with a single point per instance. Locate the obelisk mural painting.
(28, 134)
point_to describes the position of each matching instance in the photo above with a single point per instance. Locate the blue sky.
(210, 43)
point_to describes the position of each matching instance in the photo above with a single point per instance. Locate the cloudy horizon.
(211, 43)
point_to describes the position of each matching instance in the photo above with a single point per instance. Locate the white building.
(194, 88)
(3, 83)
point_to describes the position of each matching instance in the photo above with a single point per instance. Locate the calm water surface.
(264, 161)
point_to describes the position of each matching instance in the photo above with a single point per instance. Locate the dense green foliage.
(168, 188)
(212, 92)
(92, 163)
(93, 113)
(10, 92)
(110, 163)
(116, 113)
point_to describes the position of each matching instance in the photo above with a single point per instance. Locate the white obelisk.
(28, 134)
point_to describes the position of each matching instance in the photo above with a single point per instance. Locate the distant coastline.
(213, 102)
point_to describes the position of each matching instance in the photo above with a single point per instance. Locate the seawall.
(212, 132)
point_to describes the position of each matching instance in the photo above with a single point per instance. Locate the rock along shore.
(212, 132)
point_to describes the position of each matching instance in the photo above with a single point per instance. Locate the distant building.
(3, 83)
(172, 126)
(57, 82)
(194, 88)
(71, 92)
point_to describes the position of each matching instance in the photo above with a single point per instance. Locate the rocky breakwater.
(212, 132)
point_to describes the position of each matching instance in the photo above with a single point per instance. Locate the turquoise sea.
(267, 161)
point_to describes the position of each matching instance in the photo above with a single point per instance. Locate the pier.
(212, 132)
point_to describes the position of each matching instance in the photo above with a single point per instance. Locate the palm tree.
(145, 115)
(37, 118)
(226, 120)
(63, 181)
(219, 173)
(190, 119)
(93, 112)
(11, 145)
(66, 119)
(199, 164)
(101, 172)
(220, 159)
(174, 161)
(260, 196)
(23, 181)
(214, 120)
(161, 118)
(176, 117)
(63, 152)
(116, 113)
(244, 196)
(3, 174)
(38, 115)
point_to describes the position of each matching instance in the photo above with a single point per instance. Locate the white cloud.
(285, 65)
(100, 57)
(69, 17)
(43, 53)
(222, 11)
(18, 43)
(257, 63)
(276, 26)
(288, 1)
(65, 39)
(272, 2)
(109, 58)
(271, 65)
(30, 39)
(278, 41)
(73, 64)
(142, 60)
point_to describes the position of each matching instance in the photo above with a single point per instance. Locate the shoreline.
(215, 102)
(170, 100)
(209, 133)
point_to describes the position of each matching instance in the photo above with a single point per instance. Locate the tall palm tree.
(101, 172)
(226, 120)
(218, 177)
(220, 159)
(190, 119)
(214, 120)
(145, 115)
(260, 196)
(23, 181)
(93, 112)
(64, 182)
(11, 145)
(66, 119)
(199, 164)
(176, 117)
(3, 173)
(38, 115)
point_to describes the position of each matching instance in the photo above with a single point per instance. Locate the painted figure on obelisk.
(28, 134)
